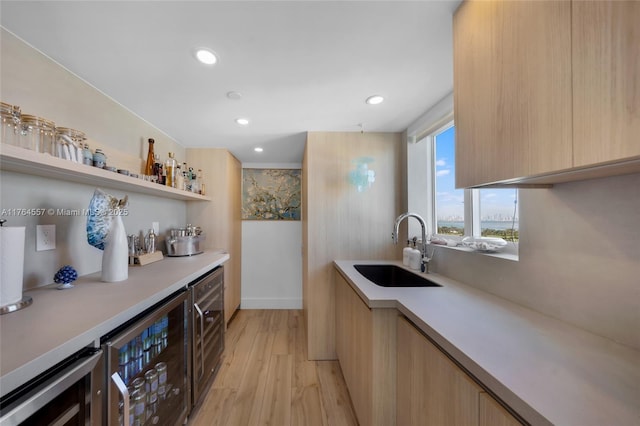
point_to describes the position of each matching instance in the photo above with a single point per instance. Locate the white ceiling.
(300, 65)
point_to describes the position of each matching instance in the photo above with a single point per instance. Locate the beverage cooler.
(148, 368)
(207, 329)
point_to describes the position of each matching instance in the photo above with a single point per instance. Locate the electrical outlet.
(45, 237)
(156, 227)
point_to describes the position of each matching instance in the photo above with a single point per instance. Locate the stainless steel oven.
(148, 367)
(70, 393)
(207, 328)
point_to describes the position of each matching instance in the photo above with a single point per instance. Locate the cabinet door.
(606, 81)
(512, 89)
(492, 413)
(354, 342)
(431, 390)
(221, 218)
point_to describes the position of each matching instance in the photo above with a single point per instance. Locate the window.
(449, 202)
(498, 211)
(460, 212)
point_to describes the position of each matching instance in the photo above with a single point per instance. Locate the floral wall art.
(271, 194)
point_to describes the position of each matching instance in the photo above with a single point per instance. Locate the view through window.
(496, 210)
(449, 206)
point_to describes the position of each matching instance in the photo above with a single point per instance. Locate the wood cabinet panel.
(512, 90)
(493, 414)
(606, 80)
(221, 219)
(431, 390)
(354, 333)
(365, 344)
(338, 222)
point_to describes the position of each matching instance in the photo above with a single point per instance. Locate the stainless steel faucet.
(423, 248)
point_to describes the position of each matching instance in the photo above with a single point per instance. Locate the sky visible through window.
(496, 205)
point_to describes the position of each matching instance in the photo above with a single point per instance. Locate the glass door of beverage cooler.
(148, 369)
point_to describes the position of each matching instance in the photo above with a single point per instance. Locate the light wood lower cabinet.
(433, 391)
(365, 344)
(492, 413)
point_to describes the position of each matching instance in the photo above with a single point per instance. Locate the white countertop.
(548, 371)
(61, 322)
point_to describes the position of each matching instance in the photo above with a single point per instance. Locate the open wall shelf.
(20, 160)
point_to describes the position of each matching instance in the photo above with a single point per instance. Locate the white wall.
(271, 258)
(19, 191)
(271, 264)
(579, 257)
(42, 87)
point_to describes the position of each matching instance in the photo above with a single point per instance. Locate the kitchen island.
(545, 370)
(61, 322)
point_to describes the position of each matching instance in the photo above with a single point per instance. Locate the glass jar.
(99, 159)
(69, 144)
(10, 124)
(87, 155)
(37, 134)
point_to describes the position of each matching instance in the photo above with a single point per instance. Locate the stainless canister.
(184, 245)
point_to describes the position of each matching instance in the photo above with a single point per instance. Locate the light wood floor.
(265, 378)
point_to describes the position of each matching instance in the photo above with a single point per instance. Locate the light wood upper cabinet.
(545, 90)
(606, 80)
(365, 344)
(512, 89)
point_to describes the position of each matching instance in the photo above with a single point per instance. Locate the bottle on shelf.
(179, 178)
(157, 170)
(199, 182)
(170, 170)
(148, 169)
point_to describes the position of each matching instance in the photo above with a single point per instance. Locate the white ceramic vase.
(115, 258)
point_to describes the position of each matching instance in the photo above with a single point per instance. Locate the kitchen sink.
(393, 276)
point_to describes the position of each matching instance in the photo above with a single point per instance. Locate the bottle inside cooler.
(153, 372)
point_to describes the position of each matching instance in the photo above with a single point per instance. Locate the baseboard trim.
(267, 303)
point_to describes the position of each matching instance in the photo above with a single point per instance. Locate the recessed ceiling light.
(374, 100)
(258, 149)
(206, 56)
(234, 95)
(242, 121)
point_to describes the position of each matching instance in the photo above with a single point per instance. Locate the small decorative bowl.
(65, 276)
